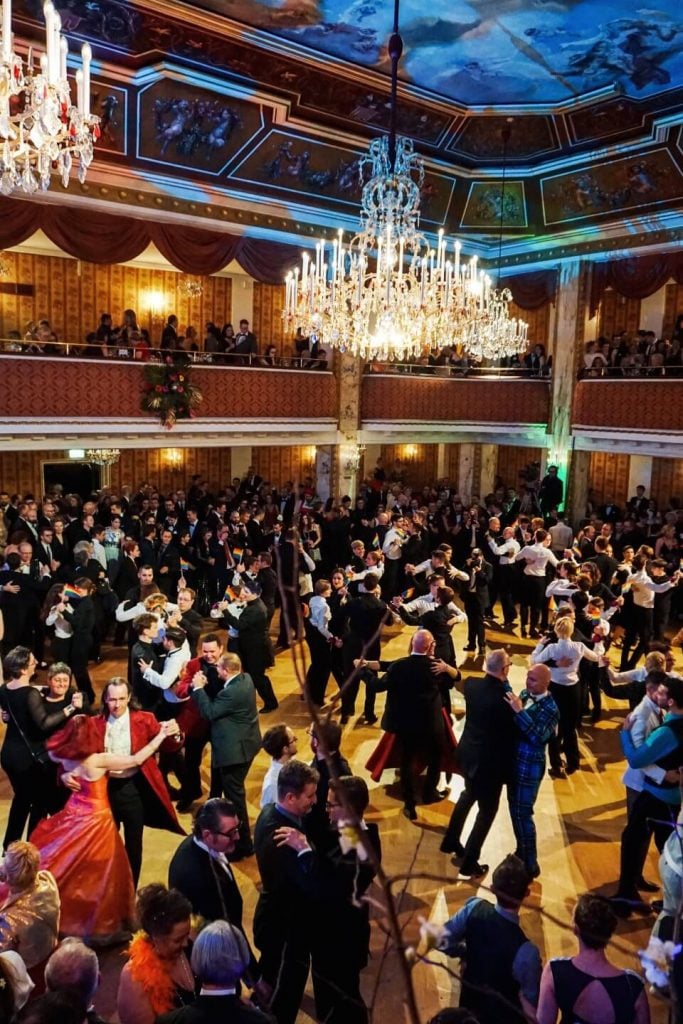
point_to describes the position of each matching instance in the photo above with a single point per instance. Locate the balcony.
(637, 405)
(50, 401)
(442, 408)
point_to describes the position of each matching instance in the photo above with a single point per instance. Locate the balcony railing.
(653, 404)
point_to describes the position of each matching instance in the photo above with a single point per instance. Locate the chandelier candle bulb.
(79, 90)
(63, 57)
(86, 53)
(6, 31)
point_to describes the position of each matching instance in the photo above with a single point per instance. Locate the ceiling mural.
(189, 127)
(111, 106)
(617, 185)
(487, 202)
(491, 51)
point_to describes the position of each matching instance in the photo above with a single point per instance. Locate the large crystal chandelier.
(42, 129)
(388, 294)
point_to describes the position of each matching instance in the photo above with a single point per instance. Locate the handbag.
(40, 758)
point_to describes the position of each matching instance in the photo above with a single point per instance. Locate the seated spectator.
(270, 358)
(587, 986)
(220, 958)
(74, 968)
(29, 914)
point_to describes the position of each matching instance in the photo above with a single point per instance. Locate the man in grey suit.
(235, 736)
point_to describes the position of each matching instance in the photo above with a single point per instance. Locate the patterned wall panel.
(630, 405)
(667, 480)
(268, 325)
(61, 387)
(432, 398)
(452, 462)
(415, 463)
(281, 464)
(512, 460)
(73, 294)
(617, 313)
(608, 476)
(673, 307)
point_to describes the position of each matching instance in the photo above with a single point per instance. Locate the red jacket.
(143, 728)
(190, 721)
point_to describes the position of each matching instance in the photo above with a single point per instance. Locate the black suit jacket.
(214, 895)
(413, 700)
(216, 1010)
(486, 749)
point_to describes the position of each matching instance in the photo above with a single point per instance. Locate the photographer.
(476, 598)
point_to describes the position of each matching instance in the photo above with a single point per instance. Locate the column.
(323, 471)
(346, 462)
(489, 465)
(568, 336)
(639, 472)
(466, 472)
(240, 460)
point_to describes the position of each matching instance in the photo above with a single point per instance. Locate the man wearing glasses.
(200, 870)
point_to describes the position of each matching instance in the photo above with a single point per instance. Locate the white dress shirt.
(644, 589)
(269, 786)
(507, 551)
(117, 741)
(536, 557)
(173, 664)
(646, 717)
(559, 651)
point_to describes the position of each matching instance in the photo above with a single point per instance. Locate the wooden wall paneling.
(608, 476)
(418, 462)
(617, 313)
(268, 325)
(27, 303)
(512, 459)
(667, 480)
(9, 306)
(453, 463)
(279, 463)
(673, 307)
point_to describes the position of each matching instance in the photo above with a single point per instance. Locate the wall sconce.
(154, 303)
(310, 452)
(173, 457)
(409, 451)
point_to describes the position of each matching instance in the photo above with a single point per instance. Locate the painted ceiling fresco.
(491, 51)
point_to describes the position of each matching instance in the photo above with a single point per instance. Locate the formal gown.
(387, 753)
(82, 848)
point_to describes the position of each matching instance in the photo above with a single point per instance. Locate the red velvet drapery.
(533, 290)
(98, 237)
(636, 278)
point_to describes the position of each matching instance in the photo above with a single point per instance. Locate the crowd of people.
(637, 354)
(182, 591)
(128, 340)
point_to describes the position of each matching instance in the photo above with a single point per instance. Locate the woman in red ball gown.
(81, 844)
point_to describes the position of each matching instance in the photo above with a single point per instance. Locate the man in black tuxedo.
(413, 714)
(255, 647)
(245, 343)
(286, 906)
(200, 867)
(486, 757)
(167, 564)
(476, 599)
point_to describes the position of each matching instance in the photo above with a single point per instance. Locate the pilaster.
(346, 459)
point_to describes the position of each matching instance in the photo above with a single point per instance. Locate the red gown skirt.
(387, 753)
(82, 848)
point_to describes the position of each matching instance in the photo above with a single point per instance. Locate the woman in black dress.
(79, 612)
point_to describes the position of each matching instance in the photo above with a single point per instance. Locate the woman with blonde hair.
(29, 914)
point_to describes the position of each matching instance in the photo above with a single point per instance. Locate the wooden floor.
(579, 822)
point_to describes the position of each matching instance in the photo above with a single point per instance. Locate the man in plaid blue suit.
(536, 718)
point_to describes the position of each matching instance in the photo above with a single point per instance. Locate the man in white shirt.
(643, 589)
(281, 743)
(506, 552)
(392, 549)
(536, 556)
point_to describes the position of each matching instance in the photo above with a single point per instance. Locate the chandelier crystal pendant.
(388, 294)
(41, 130)
(192, 286)
(103, 456)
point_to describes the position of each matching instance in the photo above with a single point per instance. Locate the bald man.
(536, 718)
(413, 713)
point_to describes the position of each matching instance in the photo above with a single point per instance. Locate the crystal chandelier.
(103, 456)
(192, 287)
(388, 294)
(40, 128)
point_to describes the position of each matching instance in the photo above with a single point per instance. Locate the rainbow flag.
(231, 594)
(70, 594)
(408, 593)
(184, 565)
(348, 574)
(237, 554)
(375, 542)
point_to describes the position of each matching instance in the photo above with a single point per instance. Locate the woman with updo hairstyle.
(29, 914)
(157, 977)
(587, 988)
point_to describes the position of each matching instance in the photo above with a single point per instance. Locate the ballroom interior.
(229, 136)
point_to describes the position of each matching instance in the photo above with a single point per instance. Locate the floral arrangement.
(169, 393)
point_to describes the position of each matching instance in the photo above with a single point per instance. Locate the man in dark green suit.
(235, 736)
